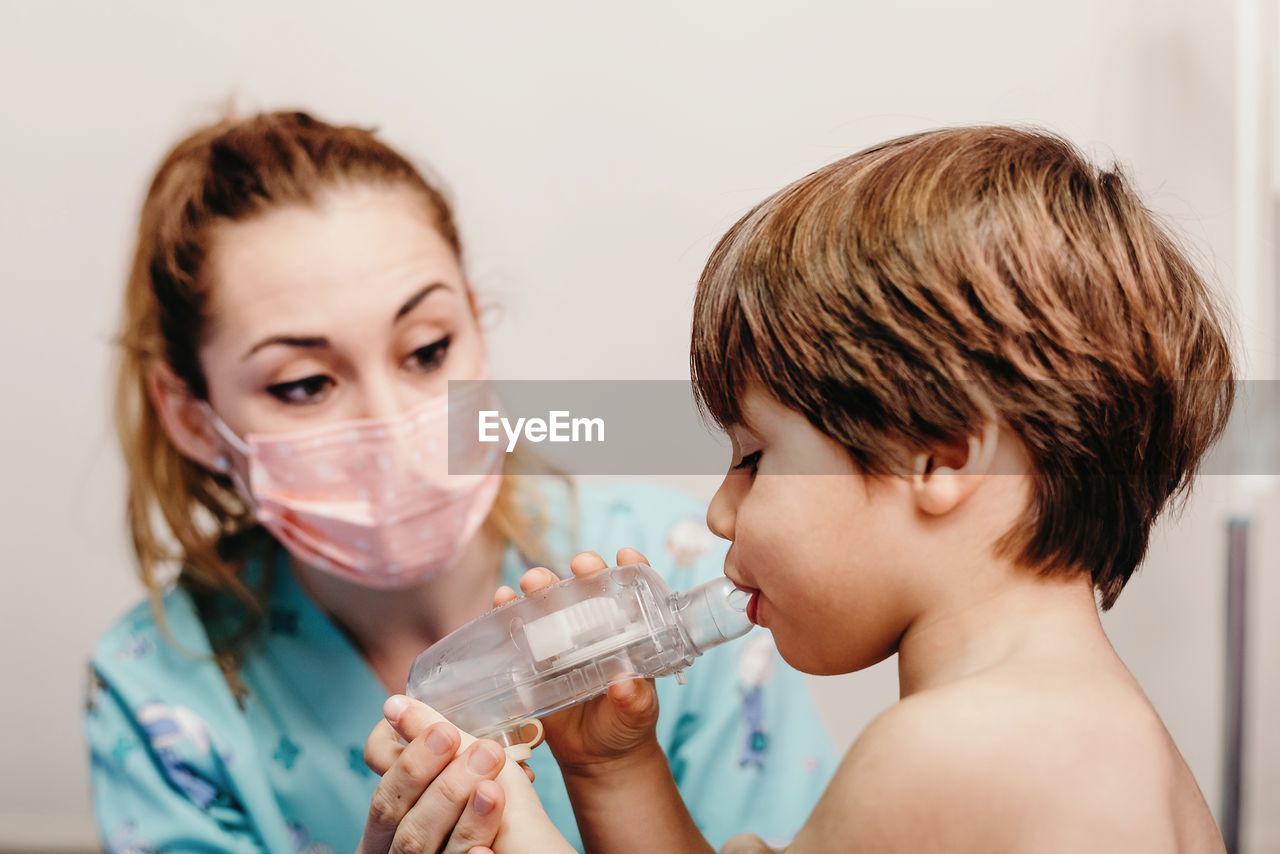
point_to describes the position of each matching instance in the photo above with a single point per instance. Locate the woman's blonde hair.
(181, 514)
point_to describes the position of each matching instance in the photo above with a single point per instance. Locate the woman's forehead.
(343, 261)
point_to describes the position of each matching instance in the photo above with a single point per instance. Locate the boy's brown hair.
(898, 295)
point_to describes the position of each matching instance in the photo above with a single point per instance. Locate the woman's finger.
(503, 595)
(382, 748)
(408, 717)
(480, 820)
(429, 821)
(418, 767)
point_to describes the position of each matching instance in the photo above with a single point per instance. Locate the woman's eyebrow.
(317, 341)
(311, 341)
(412, 303)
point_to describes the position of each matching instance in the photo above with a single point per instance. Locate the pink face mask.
(370, 500)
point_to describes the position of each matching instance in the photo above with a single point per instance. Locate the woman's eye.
(750, 462)
(306, 390)
(428, 358)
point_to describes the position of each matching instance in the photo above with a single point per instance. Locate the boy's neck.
(1024, 617)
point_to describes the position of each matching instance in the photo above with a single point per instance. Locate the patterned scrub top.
(177, 764)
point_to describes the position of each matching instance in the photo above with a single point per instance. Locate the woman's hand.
(610, 729)
(432, 797)
(428, 800)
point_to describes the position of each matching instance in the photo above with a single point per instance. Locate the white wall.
(597, 151)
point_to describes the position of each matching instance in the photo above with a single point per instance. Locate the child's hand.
(611, 727)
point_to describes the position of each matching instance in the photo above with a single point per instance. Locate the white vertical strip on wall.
(1252, 699)
(1257, 34)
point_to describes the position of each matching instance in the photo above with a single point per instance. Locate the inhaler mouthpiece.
(713, 613)
(564, 644)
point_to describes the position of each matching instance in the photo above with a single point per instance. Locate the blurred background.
(595, 153)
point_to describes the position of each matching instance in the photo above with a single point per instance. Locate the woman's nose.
(380, 401)
(723, 509)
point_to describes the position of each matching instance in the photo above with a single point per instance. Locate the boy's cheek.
(762, 545)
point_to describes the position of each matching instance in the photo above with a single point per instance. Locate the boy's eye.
(311, 389)
(749, 462)
(428, 358)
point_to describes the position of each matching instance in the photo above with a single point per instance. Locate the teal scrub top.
(179, 764)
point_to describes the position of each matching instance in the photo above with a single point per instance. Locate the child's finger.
(628, 555)
(536, 579)
(503, 595)
(587, 563)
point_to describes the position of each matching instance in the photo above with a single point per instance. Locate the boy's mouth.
(753, 604)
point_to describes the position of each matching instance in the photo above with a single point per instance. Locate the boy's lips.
(753, 604)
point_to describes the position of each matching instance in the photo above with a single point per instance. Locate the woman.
(295, 310)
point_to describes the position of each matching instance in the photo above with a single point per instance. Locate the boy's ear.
(183, 419)
(942, 480)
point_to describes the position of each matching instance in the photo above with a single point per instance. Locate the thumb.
(635, 701)
(410, 718)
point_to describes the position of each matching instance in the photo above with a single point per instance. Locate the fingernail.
(439, 741)
(484, 804)
(482, 759)
(394, 707)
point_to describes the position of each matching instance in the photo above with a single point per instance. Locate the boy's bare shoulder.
(1013, 761)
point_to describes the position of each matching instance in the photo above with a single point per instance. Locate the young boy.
(994, 370)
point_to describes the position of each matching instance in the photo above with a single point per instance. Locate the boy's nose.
(722, 510)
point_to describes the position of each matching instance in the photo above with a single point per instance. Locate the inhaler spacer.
(564, 644)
